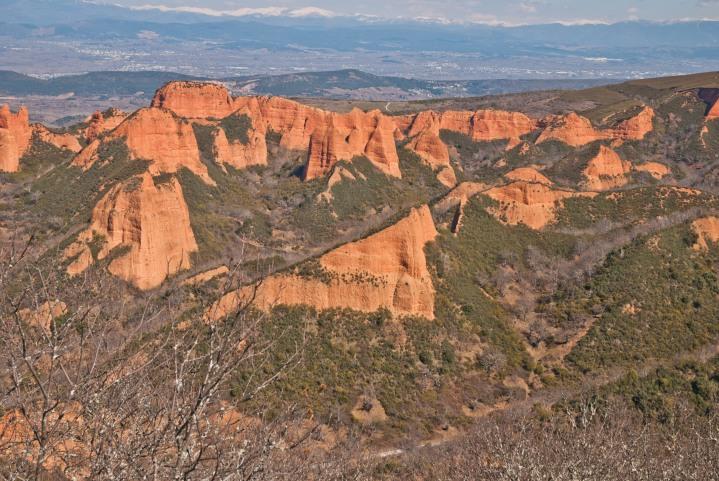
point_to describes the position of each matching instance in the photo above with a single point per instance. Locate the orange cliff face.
(606, 171)
(195, 100)
(572, 129)
(165, 140)
(15, 137)
(575, 130)
(239, 155)
(533, 204)
(386, 270)
(528, 174)
(345, 136)
(65, 141)
(707, 231)
(100, 122)
(482, 125)
(327, 136)
(637, 127)
(713, 112)
(152, 221)
(655, 169)
(430, 148)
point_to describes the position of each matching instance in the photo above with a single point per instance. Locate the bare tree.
(96, 391)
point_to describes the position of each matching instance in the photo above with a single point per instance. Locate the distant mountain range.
(340, 84)
(70, 36)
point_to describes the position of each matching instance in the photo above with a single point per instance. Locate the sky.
(511, 12)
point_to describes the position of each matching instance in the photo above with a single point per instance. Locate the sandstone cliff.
(100, 122)
(606, 171)
(528, 174)
(151, 221)
(482, 125)
(707, 231)
(195, 100)
(713, 112)
(238, 154)
(532, 204)
(655, 169)
(15, 136)
(65, 141)
(575, 130)
(328, 137)
(386, 270)
(430, 148)
(167, 141)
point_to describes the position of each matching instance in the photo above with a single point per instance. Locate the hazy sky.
(509, 11)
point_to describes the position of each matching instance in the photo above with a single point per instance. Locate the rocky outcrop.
(635, 128)
(330, 137)
(575, 130)
(430, 148)
(87, 156)
(64, 141)
(482, 125)
(572, 129)
(346, 136)
(655, 169)
(707, 231)
(327, 136)
(527, 174)
(15, 137)
(199, 100)
(237, 154)
(606, 171)
(713, 112)
(165, 140)
(386, 270)
(151, 222)
(532, 204)
(101, 122)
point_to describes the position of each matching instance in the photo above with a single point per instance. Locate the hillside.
(344, 287)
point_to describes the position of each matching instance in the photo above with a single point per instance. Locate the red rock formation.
(167, 141)
(575, 130)
(482, 125)
(430, 148)
(532, 204)
(386, 270)
(195, 100)
(707, 231)
(15, 136)
(65, 141)
(152, 221)
(100, 123)
(713, 112)
(572, 129)
(655, 169)
(458, 198)
(87, 156)
(240, 155)
(606, 171)
(328, 136)
(637, 127)
(528, 174)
